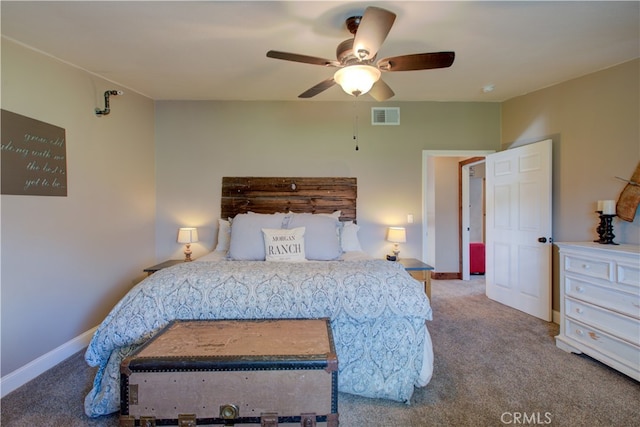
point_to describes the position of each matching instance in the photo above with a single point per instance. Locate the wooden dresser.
(600, 303)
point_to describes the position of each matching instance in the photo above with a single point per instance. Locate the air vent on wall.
(385, 116)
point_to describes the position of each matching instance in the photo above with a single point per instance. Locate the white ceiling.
(216, 50)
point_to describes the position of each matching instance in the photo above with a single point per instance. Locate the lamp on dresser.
(187, 235)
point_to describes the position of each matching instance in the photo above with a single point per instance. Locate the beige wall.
(593, 122)
(66, 260)
(197, 143)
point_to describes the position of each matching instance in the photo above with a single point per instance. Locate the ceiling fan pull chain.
(355, 125)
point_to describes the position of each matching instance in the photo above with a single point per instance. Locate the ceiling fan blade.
(372, 31)
(305, 59)
(320, 87)
(381, 91)
(418, 61)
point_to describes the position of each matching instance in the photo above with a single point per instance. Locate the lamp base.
(187, 253)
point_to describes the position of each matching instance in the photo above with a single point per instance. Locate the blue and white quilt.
(377, 311)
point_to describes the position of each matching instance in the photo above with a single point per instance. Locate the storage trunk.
(281, 372)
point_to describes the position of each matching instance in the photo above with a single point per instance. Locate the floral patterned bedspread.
(377, 313)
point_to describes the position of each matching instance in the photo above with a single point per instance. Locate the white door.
(518, 244)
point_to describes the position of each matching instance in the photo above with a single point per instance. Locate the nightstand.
(419, 271)
(151, 270)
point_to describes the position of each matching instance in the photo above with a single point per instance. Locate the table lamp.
(396, 235)
(187, 235)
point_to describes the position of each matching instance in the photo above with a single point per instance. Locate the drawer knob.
(580, 289)
(579, 332)
(586, 266)
(579, 310)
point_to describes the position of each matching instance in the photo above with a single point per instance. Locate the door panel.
(518, 213)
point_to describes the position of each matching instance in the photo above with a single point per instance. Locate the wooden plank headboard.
(284, 194)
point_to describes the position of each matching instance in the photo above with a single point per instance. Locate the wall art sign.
(34, 157)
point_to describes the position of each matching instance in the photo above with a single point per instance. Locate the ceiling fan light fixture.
(356, 79)
(357, 73)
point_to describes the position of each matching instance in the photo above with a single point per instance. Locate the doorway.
(518, 225)
(472, 208)
(442, 242)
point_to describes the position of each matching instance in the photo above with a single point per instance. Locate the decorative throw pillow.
(321, 239)
(284, 244)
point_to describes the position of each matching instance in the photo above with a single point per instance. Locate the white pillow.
(247, 242)
(284, 244)
(335, 215)
(224, 235)
(349, 237)
(322, 240)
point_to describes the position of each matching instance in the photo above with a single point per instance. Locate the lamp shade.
(397, 235)
(187, 235)
(357, 79)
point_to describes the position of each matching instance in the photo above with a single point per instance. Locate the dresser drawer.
(614, 323)
(628, 274)
(589, 267)
(613, 348)
(609, 298)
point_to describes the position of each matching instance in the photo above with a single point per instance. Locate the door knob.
(542, 239)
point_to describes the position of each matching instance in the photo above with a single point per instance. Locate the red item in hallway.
(476, 258)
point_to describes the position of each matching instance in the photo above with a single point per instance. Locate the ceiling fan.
(358, 73)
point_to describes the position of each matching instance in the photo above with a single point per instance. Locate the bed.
(290, 250)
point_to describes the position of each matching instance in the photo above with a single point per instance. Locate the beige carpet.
(494, 366)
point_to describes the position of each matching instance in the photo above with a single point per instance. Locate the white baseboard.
(26, 373)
